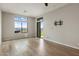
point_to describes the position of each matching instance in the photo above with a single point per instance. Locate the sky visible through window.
(20, 24)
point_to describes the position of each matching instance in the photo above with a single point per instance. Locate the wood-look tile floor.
(35, 47)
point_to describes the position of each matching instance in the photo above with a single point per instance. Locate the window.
(20, 24)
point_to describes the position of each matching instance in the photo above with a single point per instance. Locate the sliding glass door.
(40, 26)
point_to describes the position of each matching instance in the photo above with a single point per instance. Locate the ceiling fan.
(46, 4)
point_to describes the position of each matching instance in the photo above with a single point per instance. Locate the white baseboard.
(62, 43)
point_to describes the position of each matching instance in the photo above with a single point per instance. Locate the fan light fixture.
(46, 4)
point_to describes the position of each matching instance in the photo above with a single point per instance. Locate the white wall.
(0, 27)
(8, 27)
(31, 27)
(68, 33)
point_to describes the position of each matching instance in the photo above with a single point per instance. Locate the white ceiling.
(32, 9)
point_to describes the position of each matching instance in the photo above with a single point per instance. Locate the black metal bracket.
(60, 22)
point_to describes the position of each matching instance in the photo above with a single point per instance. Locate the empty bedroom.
(39, 29)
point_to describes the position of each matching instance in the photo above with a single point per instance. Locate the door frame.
(39, 27)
